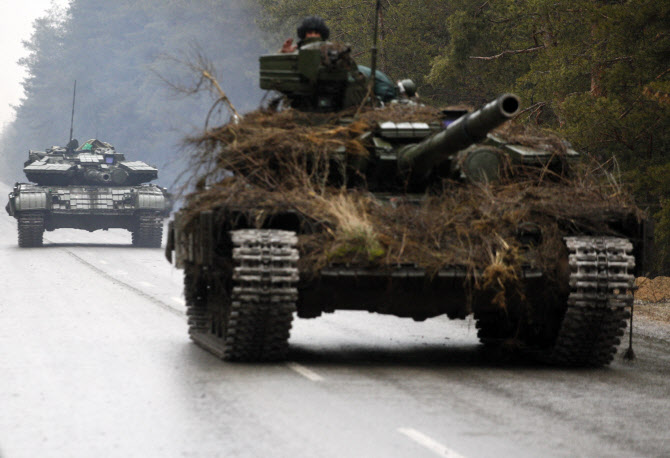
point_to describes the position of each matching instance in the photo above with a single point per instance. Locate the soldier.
(407, 91)
(312, 28)
(72, 146)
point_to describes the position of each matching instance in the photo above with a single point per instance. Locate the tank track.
(257, 314)
(598, 303)
(149, 231)
(493, 326)
(601, 285)
(195, 293)
(31, 230)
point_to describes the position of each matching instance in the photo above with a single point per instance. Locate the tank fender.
(169, 243)
(29, 200)
(150, 199)
(10, 205)
(192, 246)
(182, 243)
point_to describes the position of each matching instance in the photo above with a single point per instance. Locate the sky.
(15, 27)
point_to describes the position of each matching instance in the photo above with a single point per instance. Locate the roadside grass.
(659, 311)
(652, 298)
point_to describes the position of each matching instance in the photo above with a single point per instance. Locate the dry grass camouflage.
(279, 162)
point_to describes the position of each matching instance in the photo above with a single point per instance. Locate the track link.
(31, 230)
(252, 321)
(195, 293)
(601, 283)
(149, 231)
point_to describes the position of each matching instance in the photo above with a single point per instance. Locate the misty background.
(120, 53)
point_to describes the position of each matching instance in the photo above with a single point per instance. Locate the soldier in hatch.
(312, 29)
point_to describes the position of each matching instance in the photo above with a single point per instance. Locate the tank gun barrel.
(98, 176)
(417, 160)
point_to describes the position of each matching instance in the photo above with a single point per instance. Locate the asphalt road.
(95, 361)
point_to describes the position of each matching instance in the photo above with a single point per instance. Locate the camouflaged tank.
(243, 280)
(92, 187)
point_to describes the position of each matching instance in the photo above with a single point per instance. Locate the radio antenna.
(74, 94)
(373, 70)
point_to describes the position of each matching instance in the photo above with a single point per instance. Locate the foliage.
(594, 71)
(410, 33)
(295, 163)
(119, 53)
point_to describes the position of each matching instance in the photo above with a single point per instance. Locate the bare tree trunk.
(382, 57)
(597, 67)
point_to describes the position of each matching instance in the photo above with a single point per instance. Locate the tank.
(90, 187)
(370, 209)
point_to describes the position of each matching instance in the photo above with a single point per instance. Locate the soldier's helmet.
(407, 87)
(313, 24)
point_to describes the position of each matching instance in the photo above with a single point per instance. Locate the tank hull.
(139, 209)
(576, 318)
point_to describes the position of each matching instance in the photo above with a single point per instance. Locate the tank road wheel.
(493, 326)
(498, 329)
(148, 231)
(250, 317)
(31, 229)
(601, 283)
(589, 330)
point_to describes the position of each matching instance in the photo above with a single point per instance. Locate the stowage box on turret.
(92, 187)
(332, 205)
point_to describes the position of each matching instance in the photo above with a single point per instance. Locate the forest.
(594, 71)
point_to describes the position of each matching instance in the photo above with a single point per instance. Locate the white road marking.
(178, 300)
(428, 442)
(163, 305)
(121, 272)
(103, 262)
(147, 284)
(307, 373)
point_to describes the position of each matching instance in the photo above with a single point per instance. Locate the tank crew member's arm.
(288, 46)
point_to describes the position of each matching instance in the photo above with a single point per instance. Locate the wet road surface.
(95, 361)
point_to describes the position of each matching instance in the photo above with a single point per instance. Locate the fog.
(120, 54)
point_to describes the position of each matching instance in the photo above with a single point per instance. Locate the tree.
(595, 71)
(115, 51)
(410, 33)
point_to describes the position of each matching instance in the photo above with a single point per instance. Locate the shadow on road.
(471, 355)
(87, 245)
(52, 245)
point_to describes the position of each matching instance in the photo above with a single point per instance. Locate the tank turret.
(95, 163)
(418, 160)
(323, 77)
